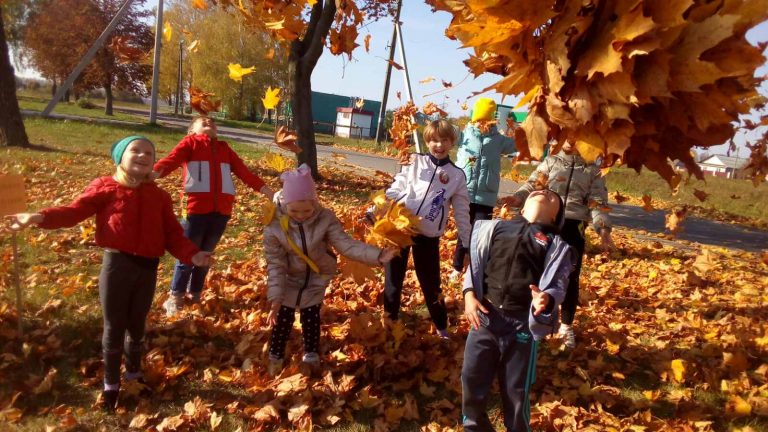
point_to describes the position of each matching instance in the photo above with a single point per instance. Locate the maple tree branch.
(314, 18)
(315, 48)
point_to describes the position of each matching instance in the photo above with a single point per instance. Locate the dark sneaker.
(109, 400)
(310, 365)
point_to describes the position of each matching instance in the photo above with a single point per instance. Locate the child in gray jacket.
(300, 264)
(516, 280)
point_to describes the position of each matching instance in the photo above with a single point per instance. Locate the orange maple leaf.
(286, 140)
(201, 102)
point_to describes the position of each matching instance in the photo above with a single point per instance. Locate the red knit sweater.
(138, 221)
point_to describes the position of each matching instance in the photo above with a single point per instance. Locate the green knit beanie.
(119, 147)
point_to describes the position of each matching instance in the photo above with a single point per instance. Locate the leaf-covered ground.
(670, 338)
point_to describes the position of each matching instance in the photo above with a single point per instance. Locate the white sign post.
(13, 200)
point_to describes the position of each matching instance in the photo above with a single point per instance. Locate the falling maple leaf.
(194, 46)
(446, 84)
(430, 108)
(395, 65)
(201, 101)
(277, 162)
(647, 203)
(286, 140)
(464, 106)
(236, 72)
(619, 198)
(167, 31)
(427, 80)
(673, 220)
(125, 52)
(360, 103)
(700, 194)
(399, 95)
(367, 42)
(271, 98)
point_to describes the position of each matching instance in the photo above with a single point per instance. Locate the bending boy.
(517, 279)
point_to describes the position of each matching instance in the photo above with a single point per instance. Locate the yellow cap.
(484, 109)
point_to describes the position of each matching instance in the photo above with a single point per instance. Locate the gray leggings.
(126, 290)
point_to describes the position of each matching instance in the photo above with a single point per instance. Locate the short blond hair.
(439, 129)
(196, 119)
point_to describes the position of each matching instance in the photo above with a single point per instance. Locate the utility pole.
(380, 132)
(179, 78)
(156, 62)
(407, 79)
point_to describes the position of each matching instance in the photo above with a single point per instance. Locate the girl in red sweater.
(135, 225)
(209, 195)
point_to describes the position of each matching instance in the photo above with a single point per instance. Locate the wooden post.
(13, 200)
(17, 281)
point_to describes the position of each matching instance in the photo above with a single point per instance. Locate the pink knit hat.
(298, 185)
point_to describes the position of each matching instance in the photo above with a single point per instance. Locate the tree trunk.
(54, 87)
(302, 115)
(108, 97)
(302, 61)
(12, 131)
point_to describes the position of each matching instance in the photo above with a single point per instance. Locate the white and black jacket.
(427, 186)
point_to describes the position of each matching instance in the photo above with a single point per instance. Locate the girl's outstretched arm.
(83, 207)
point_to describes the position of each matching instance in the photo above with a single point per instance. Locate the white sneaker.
(566, 334)
(173, 305)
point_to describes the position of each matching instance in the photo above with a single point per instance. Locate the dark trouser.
(426, 259)
(205, 231)
(573, 234)
(476, 212)
(504, 348)
(126, 290)
(310, 330)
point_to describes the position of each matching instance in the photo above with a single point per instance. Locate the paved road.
(696, 229)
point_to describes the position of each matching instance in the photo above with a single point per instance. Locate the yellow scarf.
(284, 224)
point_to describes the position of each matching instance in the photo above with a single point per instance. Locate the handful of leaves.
(393, 223)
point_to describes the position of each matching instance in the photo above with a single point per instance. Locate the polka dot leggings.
(310, 329)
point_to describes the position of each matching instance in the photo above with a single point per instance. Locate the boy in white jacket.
(427, 187)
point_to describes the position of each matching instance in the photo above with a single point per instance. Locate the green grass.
(33, 103)
(751, 202)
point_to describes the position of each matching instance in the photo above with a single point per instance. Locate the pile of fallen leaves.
(669, 338)
(640, 81)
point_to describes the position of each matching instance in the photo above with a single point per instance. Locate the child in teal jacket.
(479, 155)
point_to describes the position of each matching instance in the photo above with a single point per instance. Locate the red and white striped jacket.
(208, 168)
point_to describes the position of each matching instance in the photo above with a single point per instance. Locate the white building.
(353, 123)
(723, 166)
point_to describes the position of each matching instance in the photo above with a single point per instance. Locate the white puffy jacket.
(427, 186)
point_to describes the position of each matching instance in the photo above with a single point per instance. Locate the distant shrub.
(85, 103)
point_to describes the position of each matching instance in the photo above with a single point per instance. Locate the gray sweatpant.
(502, 347)
(126, 289)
